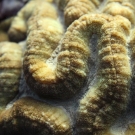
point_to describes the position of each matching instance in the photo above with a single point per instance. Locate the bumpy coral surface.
(10, 71)
(104, 98)
(29, 116)
(71, 71)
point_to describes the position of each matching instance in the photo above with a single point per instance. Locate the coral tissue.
(67, 68)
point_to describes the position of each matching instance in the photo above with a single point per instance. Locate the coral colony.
(66, 68)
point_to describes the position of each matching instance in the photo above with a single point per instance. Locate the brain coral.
(74, 72)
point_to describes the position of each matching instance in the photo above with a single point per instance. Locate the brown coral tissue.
(67, 68)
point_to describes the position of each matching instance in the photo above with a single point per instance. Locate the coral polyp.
(71, 71)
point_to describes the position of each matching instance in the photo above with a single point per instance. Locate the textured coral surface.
(67, 68)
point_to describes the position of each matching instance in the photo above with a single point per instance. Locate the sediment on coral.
(10, 71)
(32, 117)
(61, 4)
(108, 97)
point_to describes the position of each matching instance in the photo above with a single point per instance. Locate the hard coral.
(88, 70)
